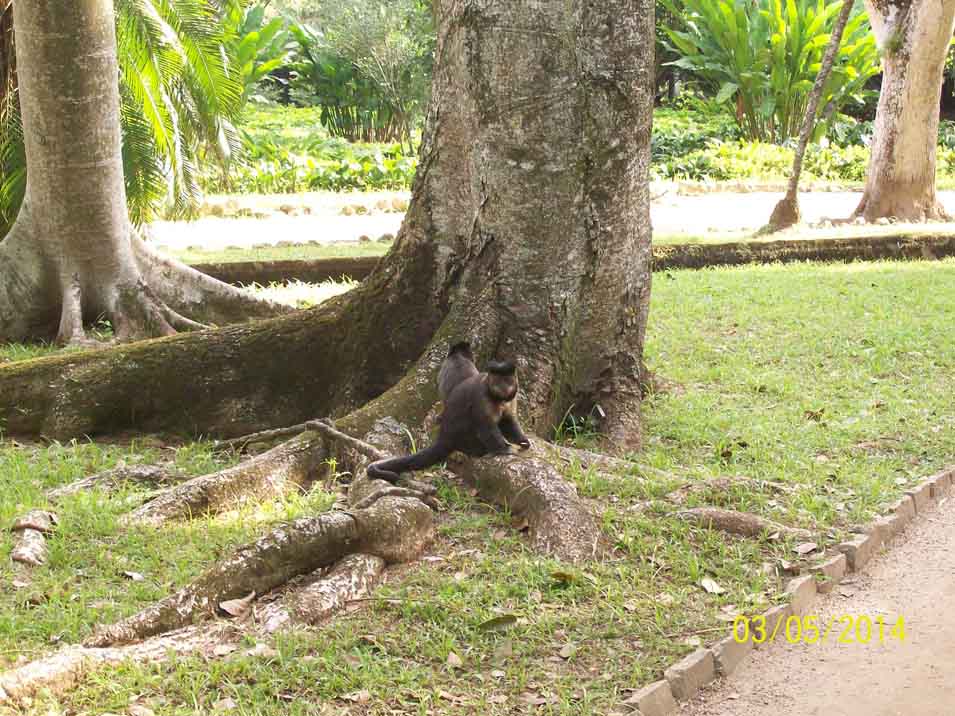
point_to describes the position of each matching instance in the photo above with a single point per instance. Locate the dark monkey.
(479, 415)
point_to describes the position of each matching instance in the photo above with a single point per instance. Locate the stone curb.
(666, 257)
(684, 679)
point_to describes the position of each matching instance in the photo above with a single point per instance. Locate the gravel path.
(915, 579)
(671, 215)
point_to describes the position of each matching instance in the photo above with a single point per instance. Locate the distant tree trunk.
(528, 234)
(787, 212)
(71, 255)
(914, 37)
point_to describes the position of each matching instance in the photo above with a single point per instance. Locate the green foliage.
(869, 343)
(287, 151)
(764, 55)
(696, 143)
(368, 65)
(258, 45)
(178, 100)
(678, 132)
(756, 160)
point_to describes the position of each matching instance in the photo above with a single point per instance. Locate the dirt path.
(915, 580)
(733, 214)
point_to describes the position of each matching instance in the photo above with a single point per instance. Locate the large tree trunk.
(71, 253)
(914, 37)
(528, 234)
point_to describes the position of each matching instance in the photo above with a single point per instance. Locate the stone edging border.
(665, 257)
(684, 679)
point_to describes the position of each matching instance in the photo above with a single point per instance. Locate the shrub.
(745, 160)
(764, 56)
(287, 150)
(368, 65)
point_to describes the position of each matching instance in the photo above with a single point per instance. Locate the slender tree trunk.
(786, 212)
(75, 221)
(914, 37)
(528, 234)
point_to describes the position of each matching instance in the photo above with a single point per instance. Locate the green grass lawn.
(825, 390)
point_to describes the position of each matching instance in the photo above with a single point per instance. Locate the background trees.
(178, 98)
(914, 38)
(71, 254)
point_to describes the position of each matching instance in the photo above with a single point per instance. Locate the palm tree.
(179, 98)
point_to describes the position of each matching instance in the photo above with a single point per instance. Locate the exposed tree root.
(262, 436)
(395, 529)
(723, 485)
(289, 466)
(110, 479)
(559, 522)
(30, 537)
(352, 578)
(184, 291)
(739, 523)
(60, 672)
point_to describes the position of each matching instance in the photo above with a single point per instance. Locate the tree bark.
(528, 234)
(914, 37)
(73, 243)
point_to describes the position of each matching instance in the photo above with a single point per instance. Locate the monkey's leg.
(512, 431)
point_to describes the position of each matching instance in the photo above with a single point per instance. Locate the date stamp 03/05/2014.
(812, 629)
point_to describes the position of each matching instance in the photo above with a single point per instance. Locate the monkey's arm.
(492, 438)
(512, 431)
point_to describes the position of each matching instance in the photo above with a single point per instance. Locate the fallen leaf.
(447, 696)
(532, 699)
(711, 586)
(498, 699)
(563, 577)
(805, 548)
(499, 535)
(263, 650)
(225, 705)
(499, 623)
(358, 697)
(567, 651)
(237, 607)
(455, 661)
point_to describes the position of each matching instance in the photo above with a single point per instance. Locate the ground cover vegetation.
(810, 422)
(802, 397)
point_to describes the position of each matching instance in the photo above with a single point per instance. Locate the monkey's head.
(462, 348)
(502, 381)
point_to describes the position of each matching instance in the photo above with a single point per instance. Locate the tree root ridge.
(110, 479)
(743, 524)
(289, 466)
(395, 529)
(61, 671)
(352, 578)
(559, 522)
(30, 532)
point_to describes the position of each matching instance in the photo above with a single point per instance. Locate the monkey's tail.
(390, 469)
